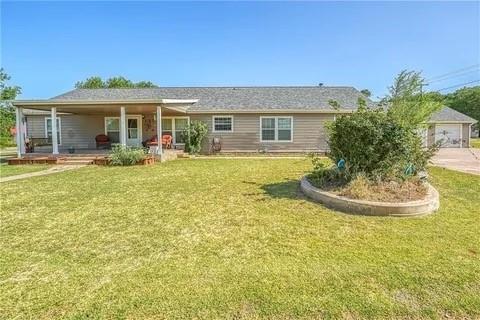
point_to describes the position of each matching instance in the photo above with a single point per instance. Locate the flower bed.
(105, 161)
(427, 205)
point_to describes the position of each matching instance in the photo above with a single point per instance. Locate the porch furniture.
(153, 141)
(167, 141)
(32, 142)
(103, 141)
(216, 145)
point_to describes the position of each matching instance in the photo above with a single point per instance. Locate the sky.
(48, 46)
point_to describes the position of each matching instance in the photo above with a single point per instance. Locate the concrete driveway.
(460, 159)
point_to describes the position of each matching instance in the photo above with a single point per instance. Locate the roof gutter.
(276, 111)
(26, 103)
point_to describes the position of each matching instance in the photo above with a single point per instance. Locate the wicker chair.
(103, 141)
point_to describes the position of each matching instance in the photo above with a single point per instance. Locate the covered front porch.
(92, 127)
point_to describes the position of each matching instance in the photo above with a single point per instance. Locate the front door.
(134, 131)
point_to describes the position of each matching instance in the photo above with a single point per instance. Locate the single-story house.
(239, 119)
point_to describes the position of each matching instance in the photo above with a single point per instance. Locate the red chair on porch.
(167, 141)
(102, 141)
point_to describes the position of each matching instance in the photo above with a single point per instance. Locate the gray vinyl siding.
(309, 133)
(76, 130)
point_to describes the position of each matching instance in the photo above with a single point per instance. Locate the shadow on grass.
(289, 189)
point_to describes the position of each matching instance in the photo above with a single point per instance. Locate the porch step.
(78, 161)
(183, 155)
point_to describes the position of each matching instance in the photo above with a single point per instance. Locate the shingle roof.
(448, 114)
(233, 98)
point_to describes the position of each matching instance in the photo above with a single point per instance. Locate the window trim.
(174, 135)
(276, 129)
(105, 123)
(59, 129)
(221, 116)
(105, 126)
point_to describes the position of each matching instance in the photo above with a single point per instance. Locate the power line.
(459, 85)
(475, 66)
(453, 76)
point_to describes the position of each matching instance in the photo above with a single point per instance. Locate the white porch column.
(159, 130)
(123, 130)
(19, 131)
(54, 131)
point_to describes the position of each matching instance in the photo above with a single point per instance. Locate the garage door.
(449, 135)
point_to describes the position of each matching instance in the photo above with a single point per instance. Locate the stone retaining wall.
(373, 208)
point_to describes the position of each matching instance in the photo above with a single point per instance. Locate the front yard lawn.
(228, 239)
(7, 170)
(475, 142)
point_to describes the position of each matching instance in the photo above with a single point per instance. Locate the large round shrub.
(375, 145)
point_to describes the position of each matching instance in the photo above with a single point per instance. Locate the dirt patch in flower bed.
(389, 191)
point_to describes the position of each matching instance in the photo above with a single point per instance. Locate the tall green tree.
(96, 82)
(366, 93)
(7, 111)
(408, 105)
(467, 101)
(119, 82)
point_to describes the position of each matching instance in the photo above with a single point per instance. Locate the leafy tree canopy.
(96, 82)
(407, 105)
(7, 92)
(366, 93)
(7, 111)
(465, 100)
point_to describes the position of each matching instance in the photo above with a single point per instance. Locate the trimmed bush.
(126, 156)
(373, 144)
(194, 134)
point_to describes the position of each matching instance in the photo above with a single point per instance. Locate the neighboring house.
(242, 119)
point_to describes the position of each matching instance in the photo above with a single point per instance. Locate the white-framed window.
(112, 128)
(48, 130)
(174, 126)
(276, 129)
(222, 123)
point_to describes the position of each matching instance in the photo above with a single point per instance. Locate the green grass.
(7, 142)
(475, 142)
(228, 239)
(7, 170)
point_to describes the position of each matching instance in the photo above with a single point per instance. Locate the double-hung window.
(222, 123)
(112, 128)
(48, 130)
(276, 129)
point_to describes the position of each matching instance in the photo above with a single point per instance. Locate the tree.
(96, 82)
(7, 111)
(466, 100)
(408, 106)
(435, 96)
(119, 82)
(145, 84)
(7, 92)
(366, 93)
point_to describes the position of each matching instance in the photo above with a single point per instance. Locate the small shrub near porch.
(126, 156)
